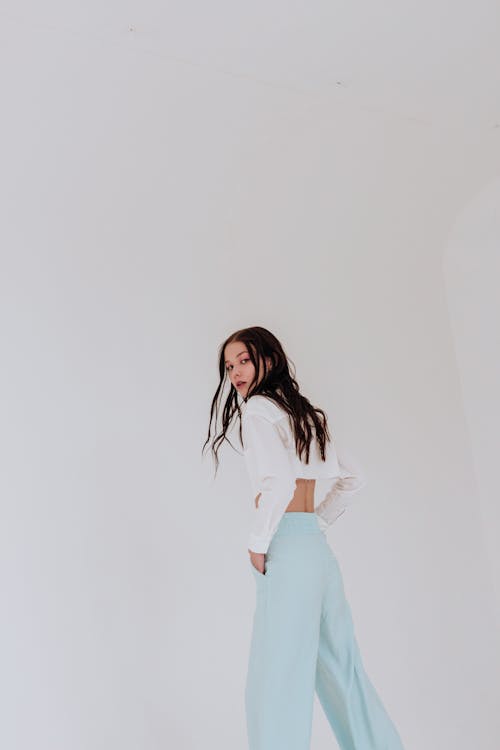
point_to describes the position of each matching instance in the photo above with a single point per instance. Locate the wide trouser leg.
(280, 686)
(351, 704)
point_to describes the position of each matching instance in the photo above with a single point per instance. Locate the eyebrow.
(243, 352)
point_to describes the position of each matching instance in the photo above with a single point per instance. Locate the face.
(239, 367)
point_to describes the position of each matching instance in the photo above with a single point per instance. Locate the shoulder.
(262, 406)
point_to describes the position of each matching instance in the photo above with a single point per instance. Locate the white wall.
(150, 208)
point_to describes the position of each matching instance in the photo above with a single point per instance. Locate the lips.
(239, 383)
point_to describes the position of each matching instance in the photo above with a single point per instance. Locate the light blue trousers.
(303, 640)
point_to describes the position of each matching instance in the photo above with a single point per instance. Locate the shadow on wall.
(471, 267)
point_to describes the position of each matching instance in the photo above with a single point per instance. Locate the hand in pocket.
(258, 560)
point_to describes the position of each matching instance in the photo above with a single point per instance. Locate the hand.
(258, 560)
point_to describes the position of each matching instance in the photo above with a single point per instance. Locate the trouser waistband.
(298, 522)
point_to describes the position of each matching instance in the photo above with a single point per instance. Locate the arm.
(349, 481)
(268, 465)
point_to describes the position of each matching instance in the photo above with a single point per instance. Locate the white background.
(171, 174)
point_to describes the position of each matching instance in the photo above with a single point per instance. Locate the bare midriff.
(303, 497)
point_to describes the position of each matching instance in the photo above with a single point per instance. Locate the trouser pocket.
(257, 573)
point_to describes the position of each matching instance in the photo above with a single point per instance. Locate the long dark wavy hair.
(278, 383)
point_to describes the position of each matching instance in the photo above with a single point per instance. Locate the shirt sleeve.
(349, 481)
(270, 471)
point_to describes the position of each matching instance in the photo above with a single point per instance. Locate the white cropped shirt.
(273, 466)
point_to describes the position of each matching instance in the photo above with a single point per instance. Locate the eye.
(241, 362)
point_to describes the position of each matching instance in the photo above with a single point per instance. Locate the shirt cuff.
(323, 525)
(258, 543)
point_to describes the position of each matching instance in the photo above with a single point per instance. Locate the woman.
(303, 636)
